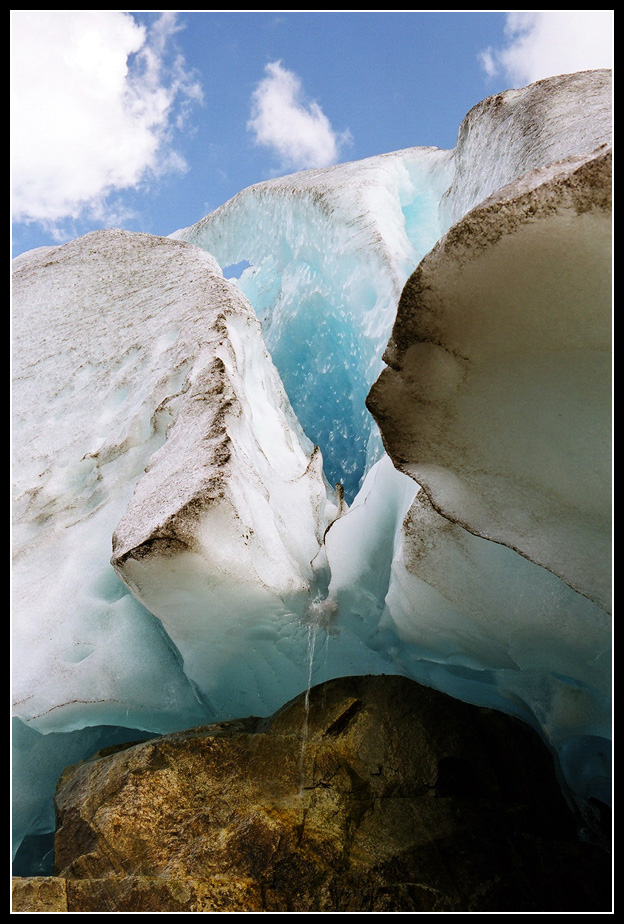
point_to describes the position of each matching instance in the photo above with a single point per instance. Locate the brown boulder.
(376, 795)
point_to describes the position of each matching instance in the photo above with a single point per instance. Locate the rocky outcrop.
(368, 794)
(132, 893)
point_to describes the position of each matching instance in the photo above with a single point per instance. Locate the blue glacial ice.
(196, 428)
(328, 253)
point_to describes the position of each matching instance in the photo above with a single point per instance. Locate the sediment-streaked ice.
(157, 421)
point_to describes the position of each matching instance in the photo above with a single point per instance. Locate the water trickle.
(312, 633)
(319, 616)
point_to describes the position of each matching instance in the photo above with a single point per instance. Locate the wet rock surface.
(374, 794)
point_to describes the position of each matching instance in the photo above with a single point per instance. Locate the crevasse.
(328, 253)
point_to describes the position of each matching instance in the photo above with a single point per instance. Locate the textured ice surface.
(222, 531)
(506, 136)
(88, 412)
(496, 401)
(122, 340)
(497, 395)
(329, 251)
(147, 408)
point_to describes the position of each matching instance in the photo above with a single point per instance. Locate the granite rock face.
(369, 794)
(130, 893)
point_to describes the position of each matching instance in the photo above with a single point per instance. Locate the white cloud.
(545, 43)
(92, 108)
(297, 131)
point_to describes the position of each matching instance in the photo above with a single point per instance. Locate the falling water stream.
(312, 633)
(319, 616)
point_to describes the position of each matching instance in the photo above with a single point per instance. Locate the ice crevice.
(428, 330)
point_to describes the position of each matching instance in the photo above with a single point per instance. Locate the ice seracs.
(157, 423)
(123, 342)
(496, 401)
(98, 366)
(144, 356)
(508, 135)
(222, 531)
(329, 251)
(496, 398)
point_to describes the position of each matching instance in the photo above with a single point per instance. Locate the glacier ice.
(226, 522)
(497, 394)
(329, 251)
(150, 406)
(92, 397)
(496, 400)
(507, 136)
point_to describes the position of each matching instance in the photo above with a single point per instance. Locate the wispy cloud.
(545, 43)
(94, 103)
(297, 131)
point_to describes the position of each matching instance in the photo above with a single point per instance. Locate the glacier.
(229, 488)
(328, 253)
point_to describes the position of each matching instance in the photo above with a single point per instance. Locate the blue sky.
(149, 120)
